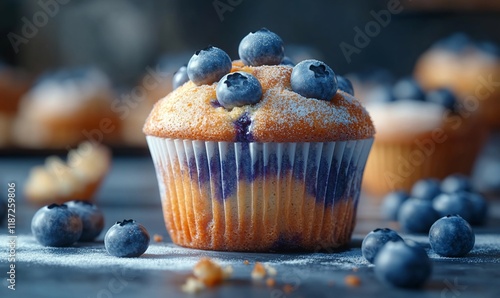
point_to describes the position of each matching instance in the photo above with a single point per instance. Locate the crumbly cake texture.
(192, 112)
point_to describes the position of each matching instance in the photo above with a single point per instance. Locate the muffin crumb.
(270, 282)
(246, 262)
(192, 286)
(288, 289)
(258, 272)
(209, 272)
(158, 238)
(271, 271)
(352, 281)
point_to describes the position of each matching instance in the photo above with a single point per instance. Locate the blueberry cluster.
(310, 78)
(409, 88)
(431, 199)
(80, 221)
(397, 262)
(63, 225)
(460, 42)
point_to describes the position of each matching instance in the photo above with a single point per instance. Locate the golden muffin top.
(260, 103)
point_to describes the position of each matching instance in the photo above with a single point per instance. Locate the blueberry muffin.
(252, 155)
(419, 135)
(66, 107)
(468, 67)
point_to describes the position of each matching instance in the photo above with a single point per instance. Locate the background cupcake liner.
(394, 165)
(259, 196)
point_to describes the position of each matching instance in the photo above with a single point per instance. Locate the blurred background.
(122, 37)
(69, 64)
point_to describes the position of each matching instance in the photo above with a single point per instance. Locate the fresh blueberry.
(261, 47)
(314, 79)
(403, 264)
(391, 204)
(126, 239)
(456, 183)
(380, 94)
(287, 61)
(56, 225)
(208, 65)
(180, 77)
(426, 189)
(373, 242)
(345, 85)
(92, 218)
(443, 97)
(408, 88)
(3, 210)
(451, 236)
(453, 203)
(238, 89)
(416, 215)
(478, 208)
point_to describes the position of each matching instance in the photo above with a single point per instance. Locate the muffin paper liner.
(398, 165)
(259, 196)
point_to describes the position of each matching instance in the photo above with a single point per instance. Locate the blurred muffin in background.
(65, 107)
(78, 177)
(470, 68)
(13, 84)
(155, 84)
(419, 135)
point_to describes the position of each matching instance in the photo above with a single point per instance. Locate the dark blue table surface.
(130, 191)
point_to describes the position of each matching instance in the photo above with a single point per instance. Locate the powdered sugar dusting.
(167, 256)
(281, 116)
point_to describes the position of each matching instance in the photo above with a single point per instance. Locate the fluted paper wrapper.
(394, 165)
(259, 196)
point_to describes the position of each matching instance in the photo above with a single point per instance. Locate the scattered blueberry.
(208, 65)
(416, 215)
(391, 204)
(373, 242)
(451, 236)
(453, 203)
(403, 264)
(314, 79)
(443, 97)
(261, 47)
(287, 61)
(426, 189)
(3, 210)
(456, 183)
(345, 85)
(408, 88)
(126, 239)
(180, 77)
(478, 208)
(56, 225)
(92, 218)
(238, 89)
